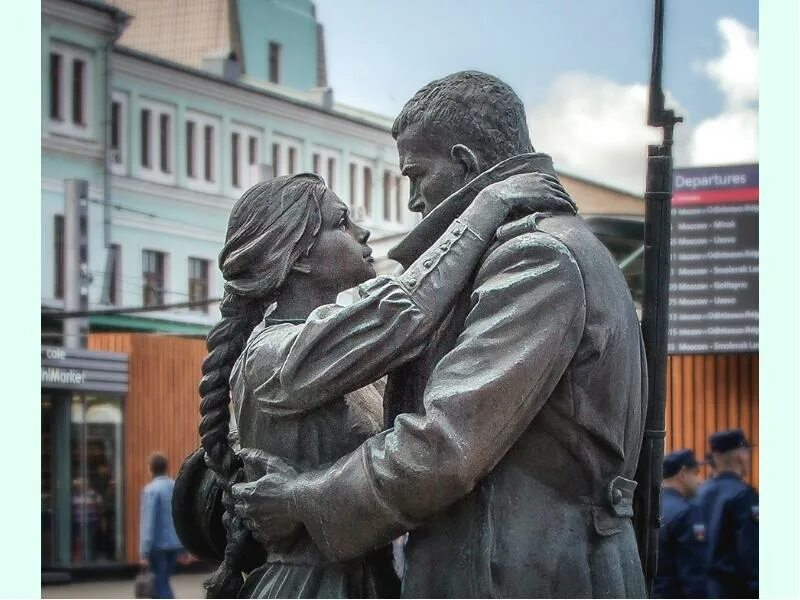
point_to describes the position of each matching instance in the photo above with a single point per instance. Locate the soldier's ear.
(468, 160)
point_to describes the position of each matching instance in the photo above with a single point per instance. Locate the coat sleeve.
(147, 521)
(745, 516)
(526, 320)
(342, 348)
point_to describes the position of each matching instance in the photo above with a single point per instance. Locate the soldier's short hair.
(471, 108)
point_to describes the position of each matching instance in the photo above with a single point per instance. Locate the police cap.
(725, 441)
(677, 460)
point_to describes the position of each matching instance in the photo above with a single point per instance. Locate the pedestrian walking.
(729, 511)
(159, 546)
(681, 544)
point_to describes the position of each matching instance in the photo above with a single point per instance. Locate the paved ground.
(185, 586)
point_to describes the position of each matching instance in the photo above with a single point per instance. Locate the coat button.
(427, 263)
(444, 246)
(457, 231)
(411, 282)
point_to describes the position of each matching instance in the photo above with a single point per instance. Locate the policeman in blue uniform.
(729, 510)
(681, 539)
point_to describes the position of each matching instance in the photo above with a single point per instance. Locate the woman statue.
(298, 368)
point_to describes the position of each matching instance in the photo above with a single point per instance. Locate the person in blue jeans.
(159, 546)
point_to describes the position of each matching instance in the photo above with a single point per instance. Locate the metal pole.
(76, 260)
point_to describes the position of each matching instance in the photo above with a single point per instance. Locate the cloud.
(732, 135)
(596, 128)
(736, 71)
(729, 138)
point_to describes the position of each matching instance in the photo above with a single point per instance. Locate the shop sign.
(84, 370)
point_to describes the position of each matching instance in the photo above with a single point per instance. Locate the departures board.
(713, 288)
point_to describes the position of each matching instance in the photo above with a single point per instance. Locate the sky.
(581, 67)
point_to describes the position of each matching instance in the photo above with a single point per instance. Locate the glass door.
(55, 482)
(96, 470)
(48, 484)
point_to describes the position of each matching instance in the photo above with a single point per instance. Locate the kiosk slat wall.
(707, 393)
(161, 410)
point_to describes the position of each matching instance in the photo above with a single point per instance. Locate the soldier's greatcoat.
(519, 420)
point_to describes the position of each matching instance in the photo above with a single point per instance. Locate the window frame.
(284, 144)
(65, 123)
(153, 172)
(205, 282)
(146, 285)
(248, 171)
(58, 256)
(119, 167)
(115, 289)
(326, 169)
(393, 200)
(358, 169)
(198, 180)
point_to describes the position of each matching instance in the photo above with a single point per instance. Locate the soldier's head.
(731, 451)
(158, 464)
(453, 129)
(681, 472)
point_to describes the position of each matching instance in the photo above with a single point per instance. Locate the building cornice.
(168, 227)
(171, 192)
(72, 146)
(193, 81)
(89, 16)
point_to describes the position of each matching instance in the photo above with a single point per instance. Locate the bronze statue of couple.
(506, 435)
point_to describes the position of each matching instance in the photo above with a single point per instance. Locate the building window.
(116, 126)
(119, 132)
(332, 173)
(58, 252)
(145, 141)
(190, 133)
(70, 90)
(253, 144)
(156, 134)
(276, 159)
(208, 153)
(274, 61)
(353, 183)
(164, 138)
(55, 86)
(245, 142)
(387, 196)
(367, 191)
(78, 91)
(398, 199)
(317, 163)
(198, 282)
(252, 151)
(202, 148)
(285, 155)
(235, 160)
(113, 273)
(153, 276)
